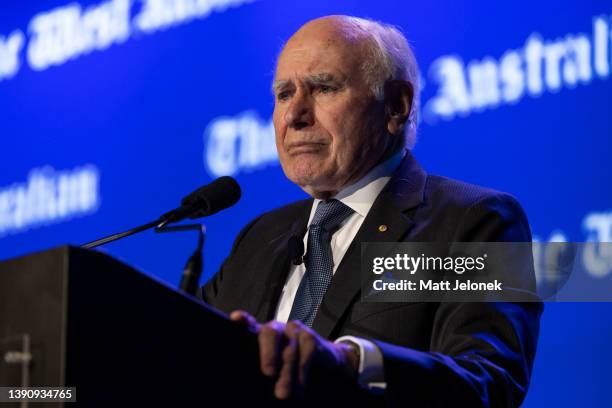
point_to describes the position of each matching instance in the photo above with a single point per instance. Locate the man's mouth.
(305, 147)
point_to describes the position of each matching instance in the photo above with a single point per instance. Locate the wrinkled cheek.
(279, 139)
(283, 157)
(280, 130)
(347, 154)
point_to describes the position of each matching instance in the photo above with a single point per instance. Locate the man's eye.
(282, 96)
(326, 89)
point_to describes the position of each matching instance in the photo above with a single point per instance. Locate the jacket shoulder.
(460, 194)
(471, 212)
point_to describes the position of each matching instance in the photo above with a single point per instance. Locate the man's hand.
(287, 352)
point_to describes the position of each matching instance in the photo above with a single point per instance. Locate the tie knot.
(330, 214)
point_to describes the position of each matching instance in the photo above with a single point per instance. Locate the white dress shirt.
(359, 197)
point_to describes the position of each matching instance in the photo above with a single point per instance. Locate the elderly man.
(346, 98)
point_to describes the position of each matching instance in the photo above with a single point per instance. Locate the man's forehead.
(315, 59)
(319, 37)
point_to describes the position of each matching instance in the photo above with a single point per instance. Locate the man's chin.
(306, 174)
(310, 177)
(316, 188)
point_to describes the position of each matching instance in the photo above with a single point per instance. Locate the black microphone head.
(214, 197)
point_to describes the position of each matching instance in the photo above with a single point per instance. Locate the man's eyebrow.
(315, 79)
(321, 78)
(276, 85)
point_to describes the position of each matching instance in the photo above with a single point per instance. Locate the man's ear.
(398, 103)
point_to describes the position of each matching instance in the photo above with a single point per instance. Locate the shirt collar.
(360, 196)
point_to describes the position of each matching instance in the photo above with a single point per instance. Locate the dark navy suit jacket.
(435, 354)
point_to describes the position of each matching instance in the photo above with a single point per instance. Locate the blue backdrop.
(111, 111)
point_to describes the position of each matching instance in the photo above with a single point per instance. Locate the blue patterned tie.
(319, 262)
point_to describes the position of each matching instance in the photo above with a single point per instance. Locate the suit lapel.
(275, 265)
(403, 192)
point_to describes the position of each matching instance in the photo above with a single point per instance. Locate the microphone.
(207, 200)
(296, 250)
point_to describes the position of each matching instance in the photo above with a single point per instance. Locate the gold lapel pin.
(382, 228)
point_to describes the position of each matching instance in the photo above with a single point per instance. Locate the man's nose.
(299, 113)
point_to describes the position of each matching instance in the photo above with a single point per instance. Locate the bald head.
(332, 28)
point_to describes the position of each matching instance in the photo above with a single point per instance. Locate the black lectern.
(119, 336)
(79, 318)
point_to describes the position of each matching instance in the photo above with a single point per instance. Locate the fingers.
(244, 319)
(286, 382)
(270, 336)
(296, 359)
(307, 344)
(286, 352)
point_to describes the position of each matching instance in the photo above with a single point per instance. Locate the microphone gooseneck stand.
(120, 235)
(205, 201)
(194, 266)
